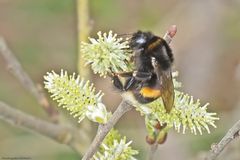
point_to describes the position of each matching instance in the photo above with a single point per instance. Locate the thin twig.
(83, 34)
(16, 69)
(153, 149)
(216, 149)
(172, 30)
(83, 26)
(63, 134)
(105, 129)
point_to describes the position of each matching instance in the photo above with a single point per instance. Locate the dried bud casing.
(162, 137)
(150, 139)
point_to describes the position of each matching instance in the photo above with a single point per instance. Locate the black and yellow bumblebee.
(152, 77)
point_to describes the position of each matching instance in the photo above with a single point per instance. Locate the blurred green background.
(43, 36)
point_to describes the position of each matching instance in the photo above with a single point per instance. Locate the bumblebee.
(152, 77)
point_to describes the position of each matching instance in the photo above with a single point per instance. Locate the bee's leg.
(129, 83)
(131, 78)
(136, 78)
(125, 74)
(142, 76)
(117, 82)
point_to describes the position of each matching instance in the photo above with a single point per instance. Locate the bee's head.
(139, 39)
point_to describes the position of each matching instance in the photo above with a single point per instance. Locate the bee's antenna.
(125, 34)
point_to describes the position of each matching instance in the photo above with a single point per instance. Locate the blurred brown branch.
(16, 69)
(63, 134)
(83, 27)
(216, 149)
(83, 33)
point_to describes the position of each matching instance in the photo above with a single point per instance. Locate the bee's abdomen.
(150, 92)
(146, 95)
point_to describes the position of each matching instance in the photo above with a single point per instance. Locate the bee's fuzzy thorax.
(146, 45)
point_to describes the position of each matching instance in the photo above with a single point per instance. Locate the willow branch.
(16, 69)
(216, 149)
(68, 135)
(104, 129)
(83, 34)
(124, 107)
(153, 149)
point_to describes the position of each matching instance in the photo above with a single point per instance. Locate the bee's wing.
(167, 90)
(166, 85)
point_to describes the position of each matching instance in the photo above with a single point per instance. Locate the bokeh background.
(43, 36)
